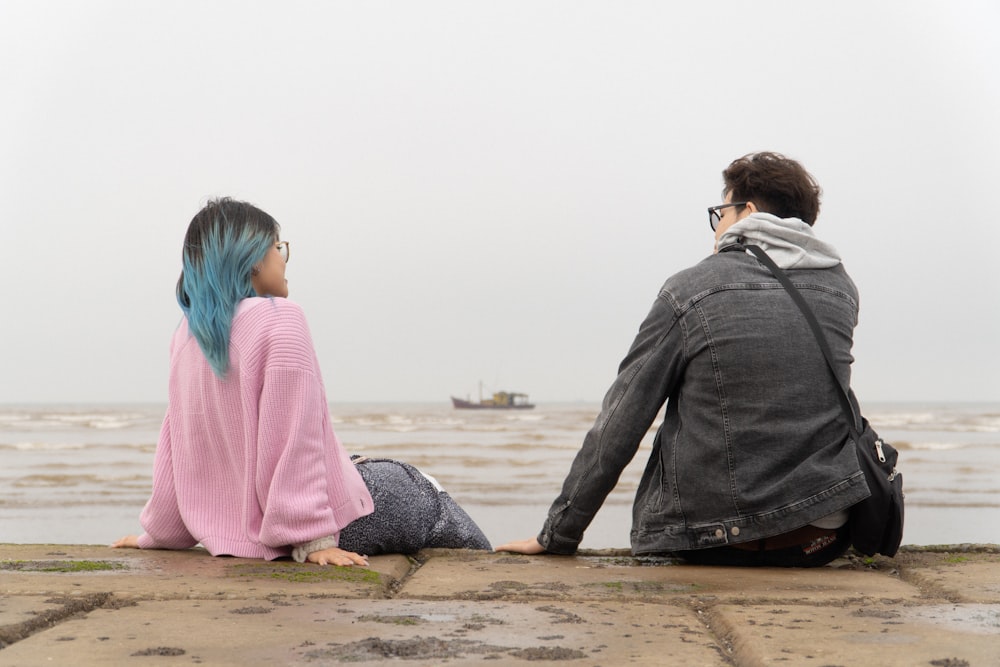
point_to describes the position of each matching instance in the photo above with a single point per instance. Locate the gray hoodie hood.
(791, 243)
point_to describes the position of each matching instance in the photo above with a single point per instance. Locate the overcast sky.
(487, 191)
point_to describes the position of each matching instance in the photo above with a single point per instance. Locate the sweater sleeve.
(302, 474)
(161, 517)
(291, 475)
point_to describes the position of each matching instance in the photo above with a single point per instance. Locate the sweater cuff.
(301, 551)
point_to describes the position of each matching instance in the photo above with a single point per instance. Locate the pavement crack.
(718, 628)
(396, 587)
(71, 607)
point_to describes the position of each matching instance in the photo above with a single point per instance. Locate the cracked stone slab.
(965, 582)
(507, 576)
(303, 631)
(19, 609)
(191, 573)
(18, 615)
(886, 635)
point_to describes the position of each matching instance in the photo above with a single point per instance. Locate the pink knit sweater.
(250, 466)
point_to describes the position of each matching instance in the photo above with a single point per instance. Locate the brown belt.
(797, 537)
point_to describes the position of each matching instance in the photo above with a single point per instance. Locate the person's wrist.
(301, 552)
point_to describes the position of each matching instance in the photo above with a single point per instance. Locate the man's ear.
(753, 207)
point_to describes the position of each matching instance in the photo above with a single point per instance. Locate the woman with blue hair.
(247, 462)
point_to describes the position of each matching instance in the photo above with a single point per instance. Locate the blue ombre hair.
(224, 242)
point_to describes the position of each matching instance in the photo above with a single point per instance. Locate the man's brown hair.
(776, 184)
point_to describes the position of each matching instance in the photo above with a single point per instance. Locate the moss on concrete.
(644, 586)
(397, 619)
(304, 574)
(62, 566)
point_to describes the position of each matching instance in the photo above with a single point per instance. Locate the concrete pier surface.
(92, 605)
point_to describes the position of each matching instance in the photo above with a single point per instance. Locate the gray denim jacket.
(753, 442)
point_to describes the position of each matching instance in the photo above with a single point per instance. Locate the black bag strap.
(843, 394)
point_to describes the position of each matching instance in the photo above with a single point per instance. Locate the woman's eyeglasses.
(282, 247)
(713, 212)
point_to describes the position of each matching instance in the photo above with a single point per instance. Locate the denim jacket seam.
(694, 299)
(672, 471)
(771, 516)
(798, 505)
(827, 290)
(769, 285)
(803, 285)
(720, 386)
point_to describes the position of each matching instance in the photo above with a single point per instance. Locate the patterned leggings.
(410, 514)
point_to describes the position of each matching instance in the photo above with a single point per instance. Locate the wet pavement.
(92, 605)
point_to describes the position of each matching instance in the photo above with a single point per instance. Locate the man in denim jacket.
(752, 464)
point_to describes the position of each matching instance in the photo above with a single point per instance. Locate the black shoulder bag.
(876, 522)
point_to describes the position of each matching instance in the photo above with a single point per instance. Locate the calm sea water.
(81, 474)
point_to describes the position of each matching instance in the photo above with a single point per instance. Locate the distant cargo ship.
(502, 400)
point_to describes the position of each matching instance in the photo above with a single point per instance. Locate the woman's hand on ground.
(127, 542)
(337, 556)
(529, 546)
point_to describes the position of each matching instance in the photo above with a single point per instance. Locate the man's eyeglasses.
(282, 247)
(713, 212)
